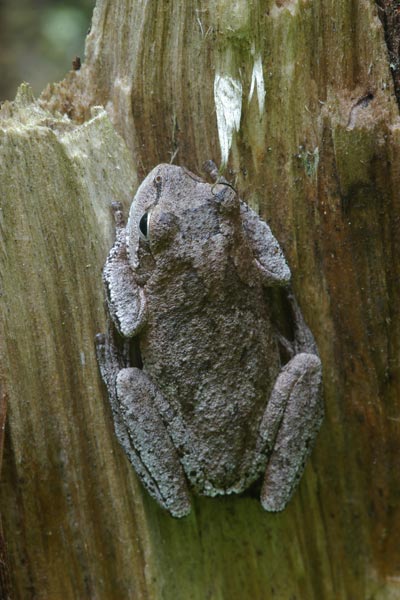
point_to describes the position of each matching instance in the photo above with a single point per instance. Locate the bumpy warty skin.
(186, 279)
(207, 343)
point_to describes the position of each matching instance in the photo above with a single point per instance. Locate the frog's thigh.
(151, 450)
(290, 425)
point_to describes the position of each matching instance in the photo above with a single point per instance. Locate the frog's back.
(214, 358)
(207, 343)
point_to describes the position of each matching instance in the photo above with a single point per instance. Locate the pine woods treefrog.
(201, 399)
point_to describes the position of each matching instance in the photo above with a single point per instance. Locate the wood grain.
(321, 164)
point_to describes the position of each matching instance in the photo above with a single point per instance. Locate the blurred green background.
(38, 41)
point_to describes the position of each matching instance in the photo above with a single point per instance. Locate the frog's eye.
(144, 227)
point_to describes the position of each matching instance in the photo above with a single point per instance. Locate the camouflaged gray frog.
(208, 406)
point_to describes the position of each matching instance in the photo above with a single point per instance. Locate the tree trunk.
(297, 97)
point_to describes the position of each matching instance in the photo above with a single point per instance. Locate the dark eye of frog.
(144, 227)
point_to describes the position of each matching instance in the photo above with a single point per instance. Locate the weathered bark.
(319, 157)
(5, 578)
(389, 13)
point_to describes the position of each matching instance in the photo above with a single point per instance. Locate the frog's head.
(177, 217)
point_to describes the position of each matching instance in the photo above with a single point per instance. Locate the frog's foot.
(290, 425)
(148, 444)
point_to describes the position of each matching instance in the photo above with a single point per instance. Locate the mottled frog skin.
(209, 406)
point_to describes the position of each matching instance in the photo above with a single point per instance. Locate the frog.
(208, 397)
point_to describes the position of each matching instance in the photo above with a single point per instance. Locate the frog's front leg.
(125, 298)
(289, 427)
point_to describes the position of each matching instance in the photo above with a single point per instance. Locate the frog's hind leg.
(148, 444)
(290, 424)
